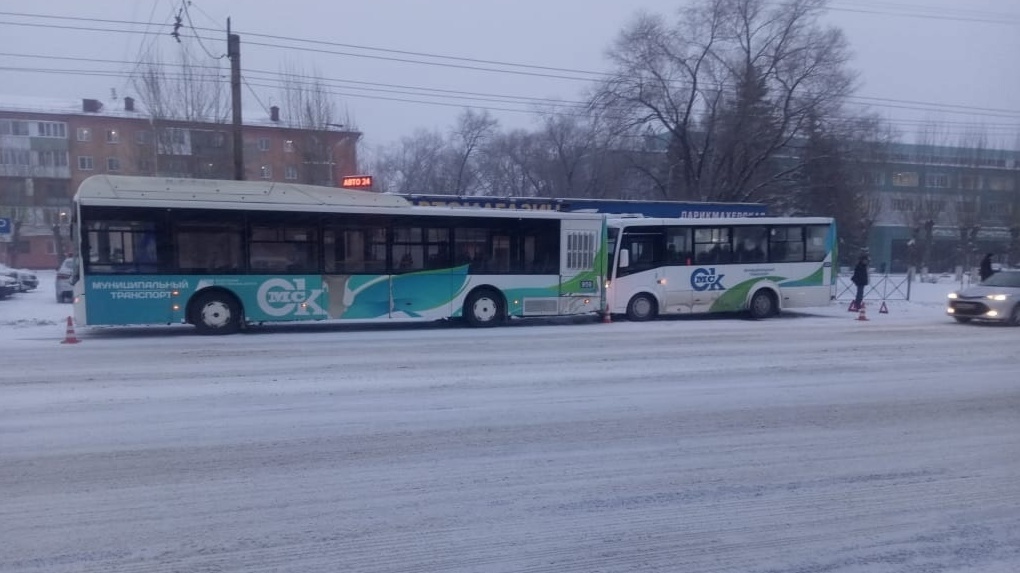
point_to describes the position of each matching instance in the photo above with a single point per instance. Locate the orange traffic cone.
(606, 317)
(862, 315)
(884, 309)
(69, 337)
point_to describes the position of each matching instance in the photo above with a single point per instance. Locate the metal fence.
(880, 287)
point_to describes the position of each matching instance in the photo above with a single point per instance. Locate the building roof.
(115, 108)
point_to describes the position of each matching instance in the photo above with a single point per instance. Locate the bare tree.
(730, 86)
(308, 105)
(182, 88)
(419, 163)
(511, 166)
(180, 92)
(472, 131)
(924, 213)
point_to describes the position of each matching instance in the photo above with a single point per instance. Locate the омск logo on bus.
(280, 297)
(706, 279)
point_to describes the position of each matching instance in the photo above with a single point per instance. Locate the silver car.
(997, 299)
(64, 288)
(25, 279)
(8, 286)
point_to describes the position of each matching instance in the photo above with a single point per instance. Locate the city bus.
(755, 265)
(222, 255)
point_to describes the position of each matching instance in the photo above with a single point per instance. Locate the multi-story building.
(943, 206)
(48, 148)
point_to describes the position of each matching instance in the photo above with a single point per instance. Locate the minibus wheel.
(641, 308)
(763, 305)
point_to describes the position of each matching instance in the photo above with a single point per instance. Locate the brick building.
(47, 148)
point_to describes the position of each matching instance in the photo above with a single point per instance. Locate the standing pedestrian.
(985, 270)
(860, 278)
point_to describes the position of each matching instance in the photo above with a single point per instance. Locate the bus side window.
(678, 246)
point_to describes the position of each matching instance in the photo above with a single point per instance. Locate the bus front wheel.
(763, 305)
(216, 313)
(641, 308)
(484, 308)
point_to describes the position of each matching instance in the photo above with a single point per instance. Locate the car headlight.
(997, 296)
(953, 295)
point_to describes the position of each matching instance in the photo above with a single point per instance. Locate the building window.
(993, 209)
(903, 205)
(1000, 183)
(85, 162)
(15, 157)
(112, 164)
(84, 134)
(219, 139)
(873, 178)
(966, 207)
(53, 158)
(175, 136)
(19, 128)
(288, 145)
(266, 172)
(970, 182)
(263, 144)
(143, 137)
(55, 129)
(290, 173)
(112, 136)
(905, 179)
(936, 181)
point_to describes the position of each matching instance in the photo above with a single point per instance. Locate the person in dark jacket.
(860, 278)
(985, 270)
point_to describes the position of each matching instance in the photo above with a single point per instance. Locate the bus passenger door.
(652, 269)
(579, 242)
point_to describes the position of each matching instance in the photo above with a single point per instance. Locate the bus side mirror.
(624, 258)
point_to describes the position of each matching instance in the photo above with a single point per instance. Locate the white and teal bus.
(225, 254)
(757, 265)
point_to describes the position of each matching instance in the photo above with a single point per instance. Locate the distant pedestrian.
(985, 270)
(860, 278)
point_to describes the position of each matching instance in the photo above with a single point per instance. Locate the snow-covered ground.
(809, 443)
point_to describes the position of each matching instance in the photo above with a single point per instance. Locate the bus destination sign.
(356, 182)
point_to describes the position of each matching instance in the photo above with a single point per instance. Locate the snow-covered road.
(805, 444)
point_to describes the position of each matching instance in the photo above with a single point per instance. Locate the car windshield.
(1003, 279)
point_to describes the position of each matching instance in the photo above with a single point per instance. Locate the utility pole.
(234, 55)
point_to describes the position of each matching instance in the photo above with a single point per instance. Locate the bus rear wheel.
(763, 305)
(484, 308)
(216, 313)
(641, 308)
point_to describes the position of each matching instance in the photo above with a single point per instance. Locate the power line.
(891, 103)
(324, 43)
(440, 64)
(926, 12)
(879, 102)
(187, 14)
(954, 128)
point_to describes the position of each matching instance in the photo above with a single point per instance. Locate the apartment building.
(47, 148)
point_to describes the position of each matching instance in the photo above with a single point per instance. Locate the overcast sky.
(923, 59)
